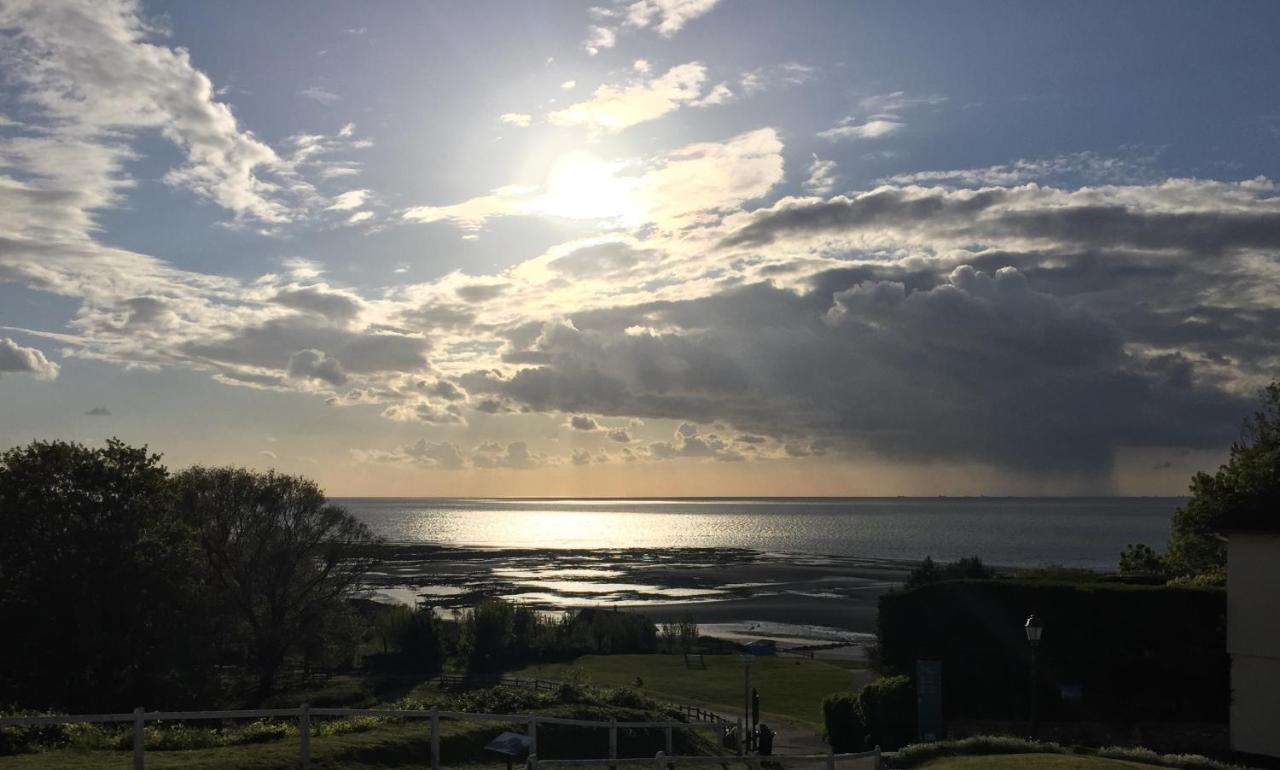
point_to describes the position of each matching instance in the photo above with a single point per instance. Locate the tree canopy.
(279, 554)
(98, 595)
(1244, 494)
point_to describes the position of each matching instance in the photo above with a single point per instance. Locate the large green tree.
(280, 555)
(99, 581)
(1244, 493)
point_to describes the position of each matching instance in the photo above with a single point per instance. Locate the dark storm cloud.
(981, 363)
(270, 345)
(995, 215)
(481, 292)
(334, 305)
(313, 364)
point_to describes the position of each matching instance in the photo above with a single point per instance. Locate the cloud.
(98, 411)
(314, 364)
(871, 129)
(613, 108)
(620, 435)
(16, 358)
(517, 119)
(443, 454)
(91, 77)
(666, 16)
(569, 85)
(320, 94)
(516, 456)
(822, 177)
(598, 39)
(885, 119)
(583, 422)
(1078, 168)
(350, 200)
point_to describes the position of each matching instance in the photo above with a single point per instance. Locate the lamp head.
(1035, 628)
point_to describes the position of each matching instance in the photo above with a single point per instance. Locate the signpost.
(929, 723)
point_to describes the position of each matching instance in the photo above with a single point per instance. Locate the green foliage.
(282, 559)
(413, 635)
(930, 571)
(1142, 559)
(843, 728)
(1243, 494)
(99, 591)
(498, 634)
(1138, 652)
(919, 754)
(680, 635)
(887, 707)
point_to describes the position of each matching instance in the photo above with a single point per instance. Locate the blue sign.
(929, 724)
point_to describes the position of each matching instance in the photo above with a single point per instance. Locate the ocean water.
(1078, 532)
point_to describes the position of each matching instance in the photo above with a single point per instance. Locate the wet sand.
(730, 589)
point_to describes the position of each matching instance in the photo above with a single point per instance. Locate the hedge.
(1138, 652)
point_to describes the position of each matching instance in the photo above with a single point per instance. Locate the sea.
(804, 572)
(1013, 532)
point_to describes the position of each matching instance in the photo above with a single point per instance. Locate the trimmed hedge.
(883, 714)
(1139, 652)
(842, 723)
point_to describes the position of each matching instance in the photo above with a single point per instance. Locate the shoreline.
(728, 589)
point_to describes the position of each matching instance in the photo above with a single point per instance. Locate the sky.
(644, 247)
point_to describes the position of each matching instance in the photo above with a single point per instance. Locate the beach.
(799, 600)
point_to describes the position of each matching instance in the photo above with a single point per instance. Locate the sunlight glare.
(581, 186)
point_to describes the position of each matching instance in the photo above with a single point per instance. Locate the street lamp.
(1035, 629)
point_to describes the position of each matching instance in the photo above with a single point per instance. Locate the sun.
(581, 186)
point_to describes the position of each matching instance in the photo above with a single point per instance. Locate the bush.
(1168, 644)
(887, 707)
(918, 754)
(930, 571)
(843, 727)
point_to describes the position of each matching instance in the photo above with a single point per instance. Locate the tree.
(99, 581)
(280, 555)
(1244, 493)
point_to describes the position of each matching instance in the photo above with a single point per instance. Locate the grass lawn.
(790, 688)
(1034, 762)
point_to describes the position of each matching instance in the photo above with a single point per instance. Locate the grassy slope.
(1033, 762)
(791, 688)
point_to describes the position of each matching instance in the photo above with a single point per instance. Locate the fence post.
(533, 734)
(304, 734)
(435, 738)
(657, 760)
(742, 739)
(613, 742)
(670, 744)
(533, 761)
(139, 753)
(831, 758)
(879, 759)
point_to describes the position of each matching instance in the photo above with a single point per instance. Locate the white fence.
(304, 714)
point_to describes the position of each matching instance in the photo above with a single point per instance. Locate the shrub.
(981, 745)
(263, 731)
(843, 727)
(887, 707)
(930, 571)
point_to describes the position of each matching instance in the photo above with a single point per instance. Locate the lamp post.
(746, 698)
(1034, 628)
